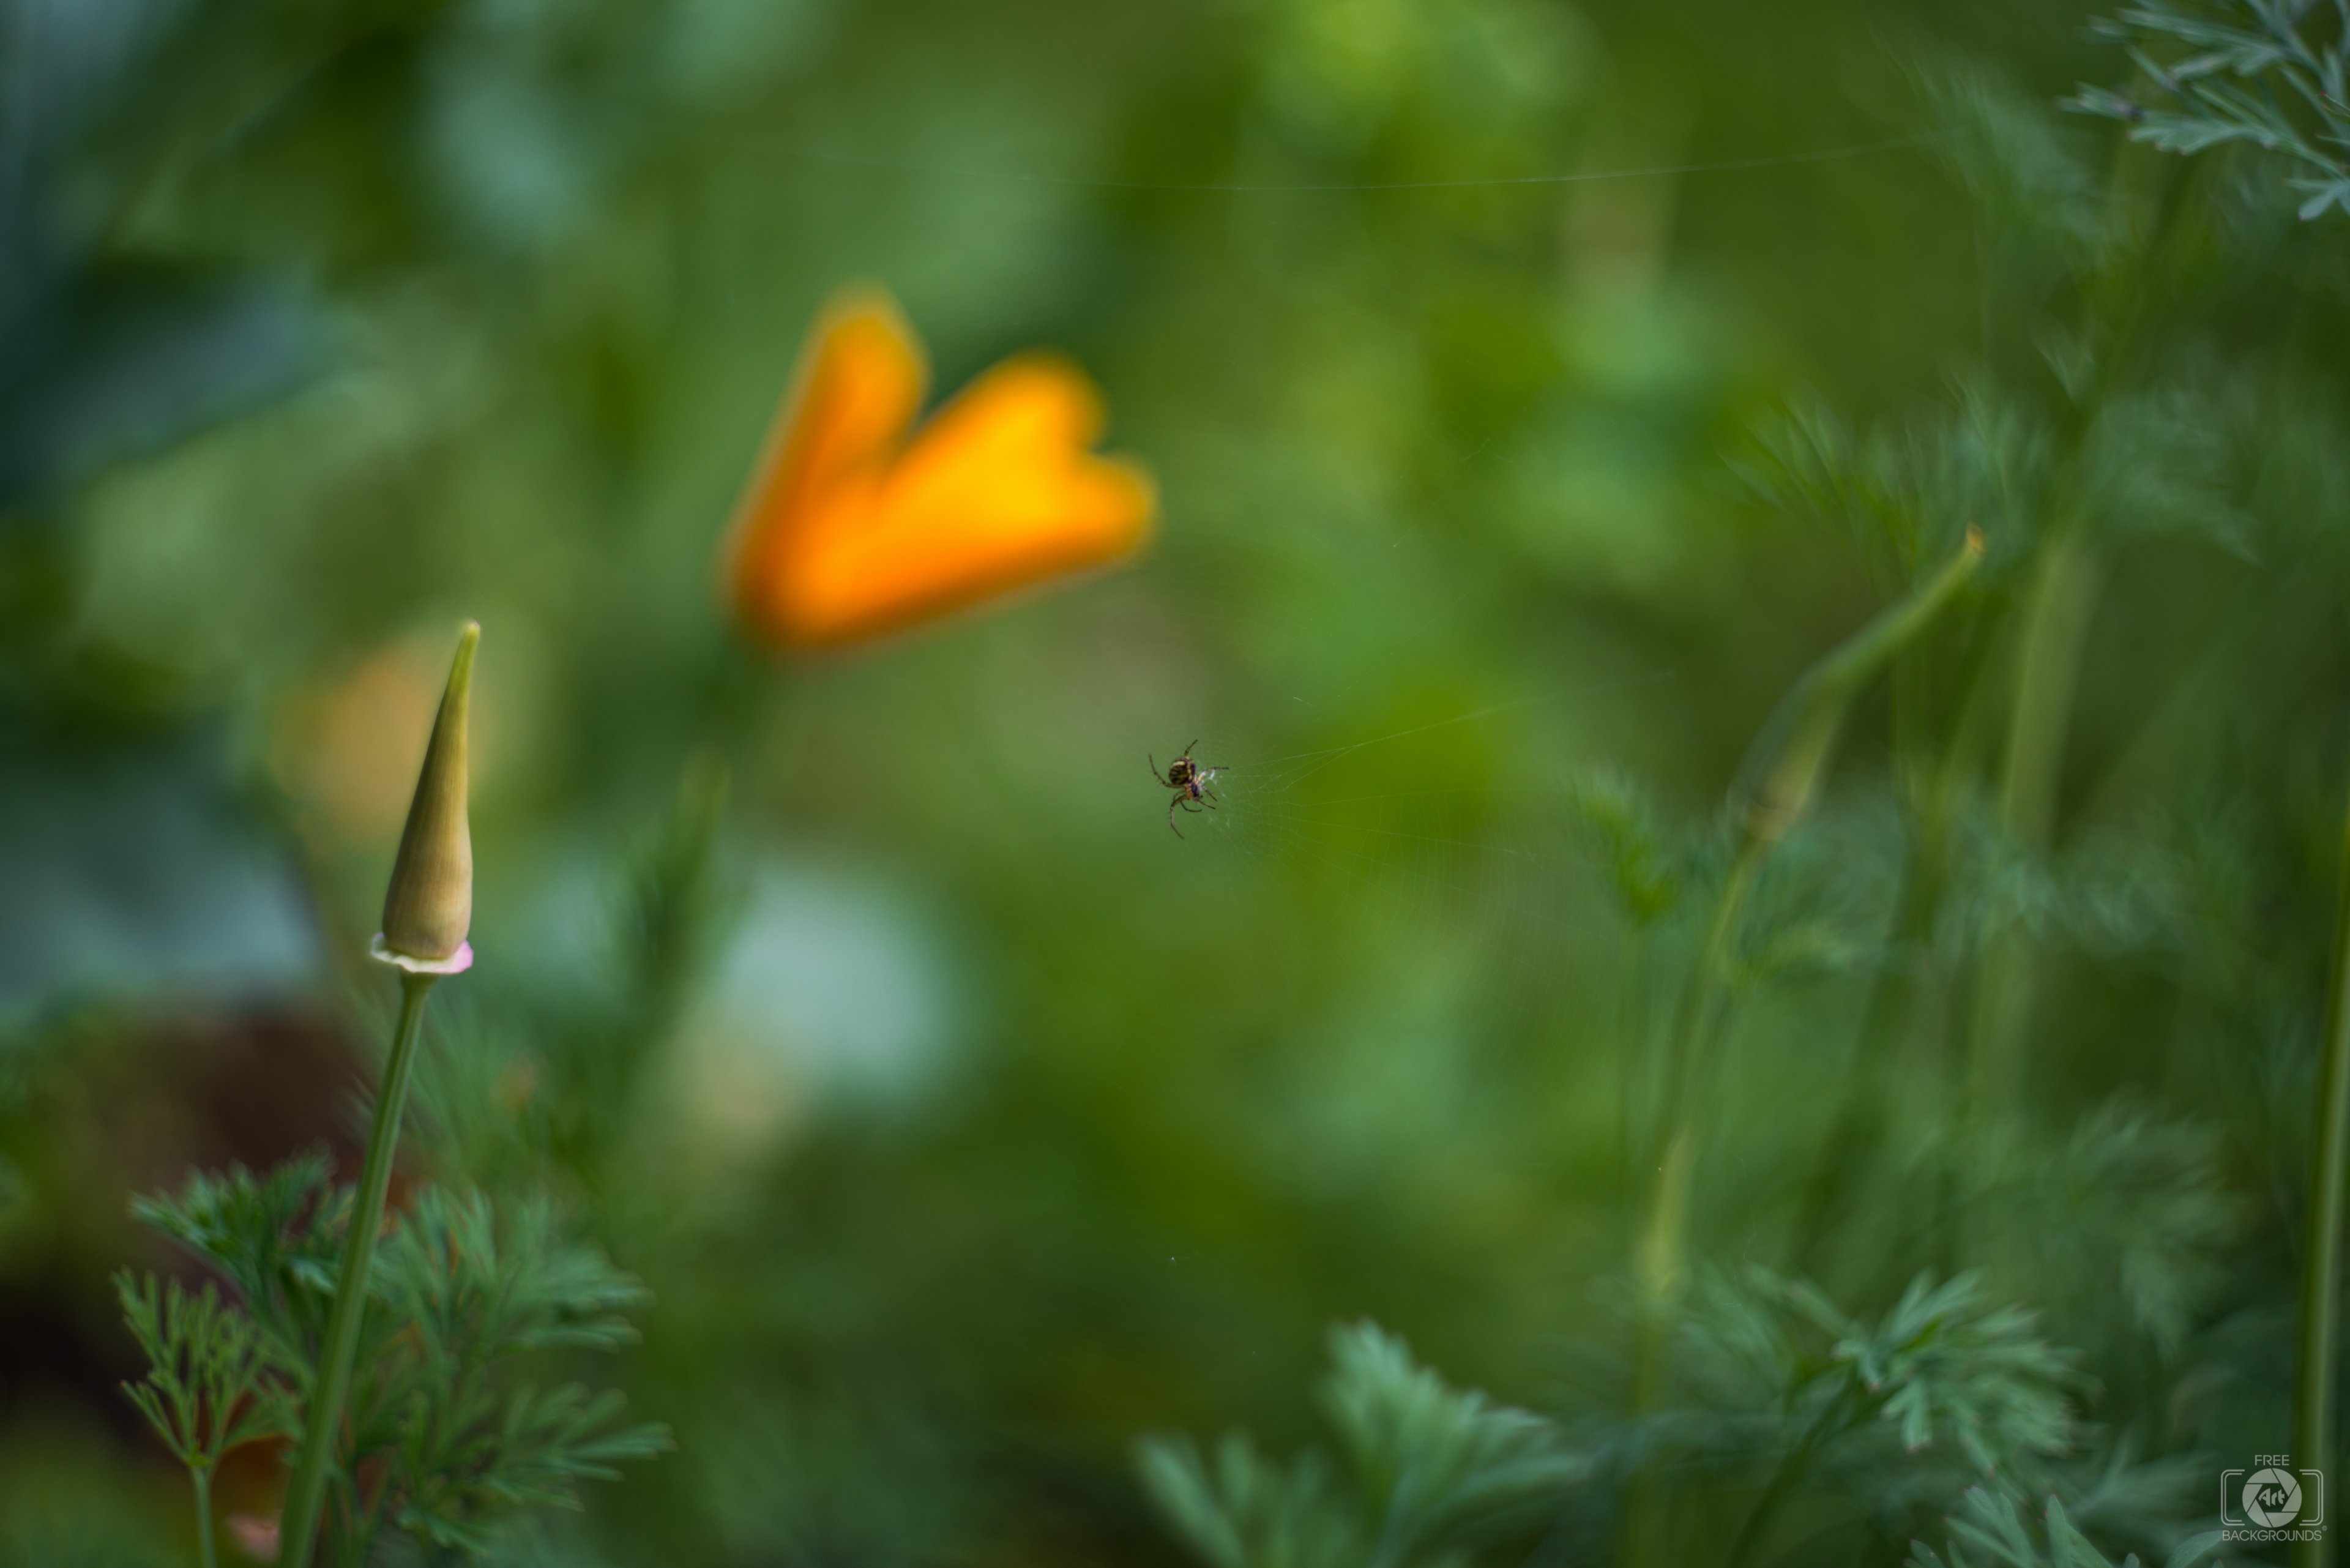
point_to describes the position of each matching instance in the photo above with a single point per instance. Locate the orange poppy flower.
(851, 527)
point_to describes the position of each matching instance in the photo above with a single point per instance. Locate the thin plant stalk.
(1632, 1027)
(2065, 597)
(1893, 1000)
(1660, 1259)
(1860, 1122)
(1661, 1262)
(2050, 645)
(2321, 1252)
(1905, 992)
(201, 1476)
(1792, 1469)
(2047, 676)
(1778, 786)
(304, 1498)
(1776, 789)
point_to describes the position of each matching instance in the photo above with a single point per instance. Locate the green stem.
(1865, 1121)
(2062, 601)
(1900, 1000)
(297, 1534)
(206, 1554)
(1778, 783)
(1784, 1481)
(1661, 1262)
(1632, 1031)
(2047, 676)
(2321, 1252)
(2048, 662)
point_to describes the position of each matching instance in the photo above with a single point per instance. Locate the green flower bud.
(430, 903)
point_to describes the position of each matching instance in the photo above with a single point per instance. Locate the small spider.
(1189, 780)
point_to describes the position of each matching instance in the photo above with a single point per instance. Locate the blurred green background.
(965, 1123)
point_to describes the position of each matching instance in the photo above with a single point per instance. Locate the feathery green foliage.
(209, 1386)
(1771, 1380)
(1906, 496)
(446, 1441)
(1429, 1469)
(1647, 877)
(212, 1382)
(275, 1238)
(1939, 1369)
(1995, 1535)
(473, 1443)
(2270, 73)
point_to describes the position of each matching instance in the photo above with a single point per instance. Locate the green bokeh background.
(965, 1123)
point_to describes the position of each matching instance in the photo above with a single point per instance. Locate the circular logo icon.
(2271, 1498)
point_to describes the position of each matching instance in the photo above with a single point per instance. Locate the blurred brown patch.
(131, 1112)
(347, 751)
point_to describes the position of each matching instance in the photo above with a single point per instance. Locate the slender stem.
(1792, 1469)
(2321, 1252)
(2062, 601)
(298, 1528)
(206, 1554)
(2048, 661)
(1632, 1030)
(1778, 783)
(1865, 1120)
(1902, 1012)
(1660, 1261)
(2047, 675)
(1860, 1123)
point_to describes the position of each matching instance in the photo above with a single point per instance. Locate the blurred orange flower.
(851, 527)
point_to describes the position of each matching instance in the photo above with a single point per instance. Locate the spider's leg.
(1154, 772)
(1170, 823)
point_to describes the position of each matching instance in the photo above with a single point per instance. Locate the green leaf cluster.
(1990, 1531)
(275, 1238)
(212, 1381)
(2260, 72)
(1773, 1381)
(447, 1440)
(1647, 879)
(1430, 1471)
(1942, 1369)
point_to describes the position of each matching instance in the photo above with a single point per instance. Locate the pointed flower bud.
(430, 903)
